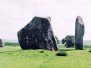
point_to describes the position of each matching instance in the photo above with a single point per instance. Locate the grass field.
(11, 56)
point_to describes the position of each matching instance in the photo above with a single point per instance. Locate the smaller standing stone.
(1, 43)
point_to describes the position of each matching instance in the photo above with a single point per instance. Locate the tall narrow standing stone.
(79, 33)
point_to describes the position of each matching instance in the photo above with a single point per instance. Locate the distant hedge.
(11, 44)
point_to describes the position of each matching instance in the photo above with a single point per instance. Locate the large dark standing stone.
(37, 34)
(79, 33)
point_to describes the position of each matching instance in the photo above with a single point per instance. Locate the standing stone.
(79, 33)
(37, 34)
(1, 43)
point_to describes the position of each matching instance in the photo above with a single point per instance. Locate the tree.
(69, 41)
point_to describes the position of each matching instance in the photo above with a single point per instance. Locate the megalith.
(1, 43)
(37, 34)
(79, 33)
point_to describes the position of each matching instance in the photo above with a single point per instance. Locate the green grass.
(14, 57)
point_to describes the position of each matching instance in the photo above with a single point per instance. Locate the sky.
(15, 14)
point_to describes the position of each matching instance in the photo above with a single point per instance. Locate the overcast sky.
(15, 14)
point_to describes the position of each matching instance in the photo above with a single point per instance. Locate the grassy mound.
(14, 57)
